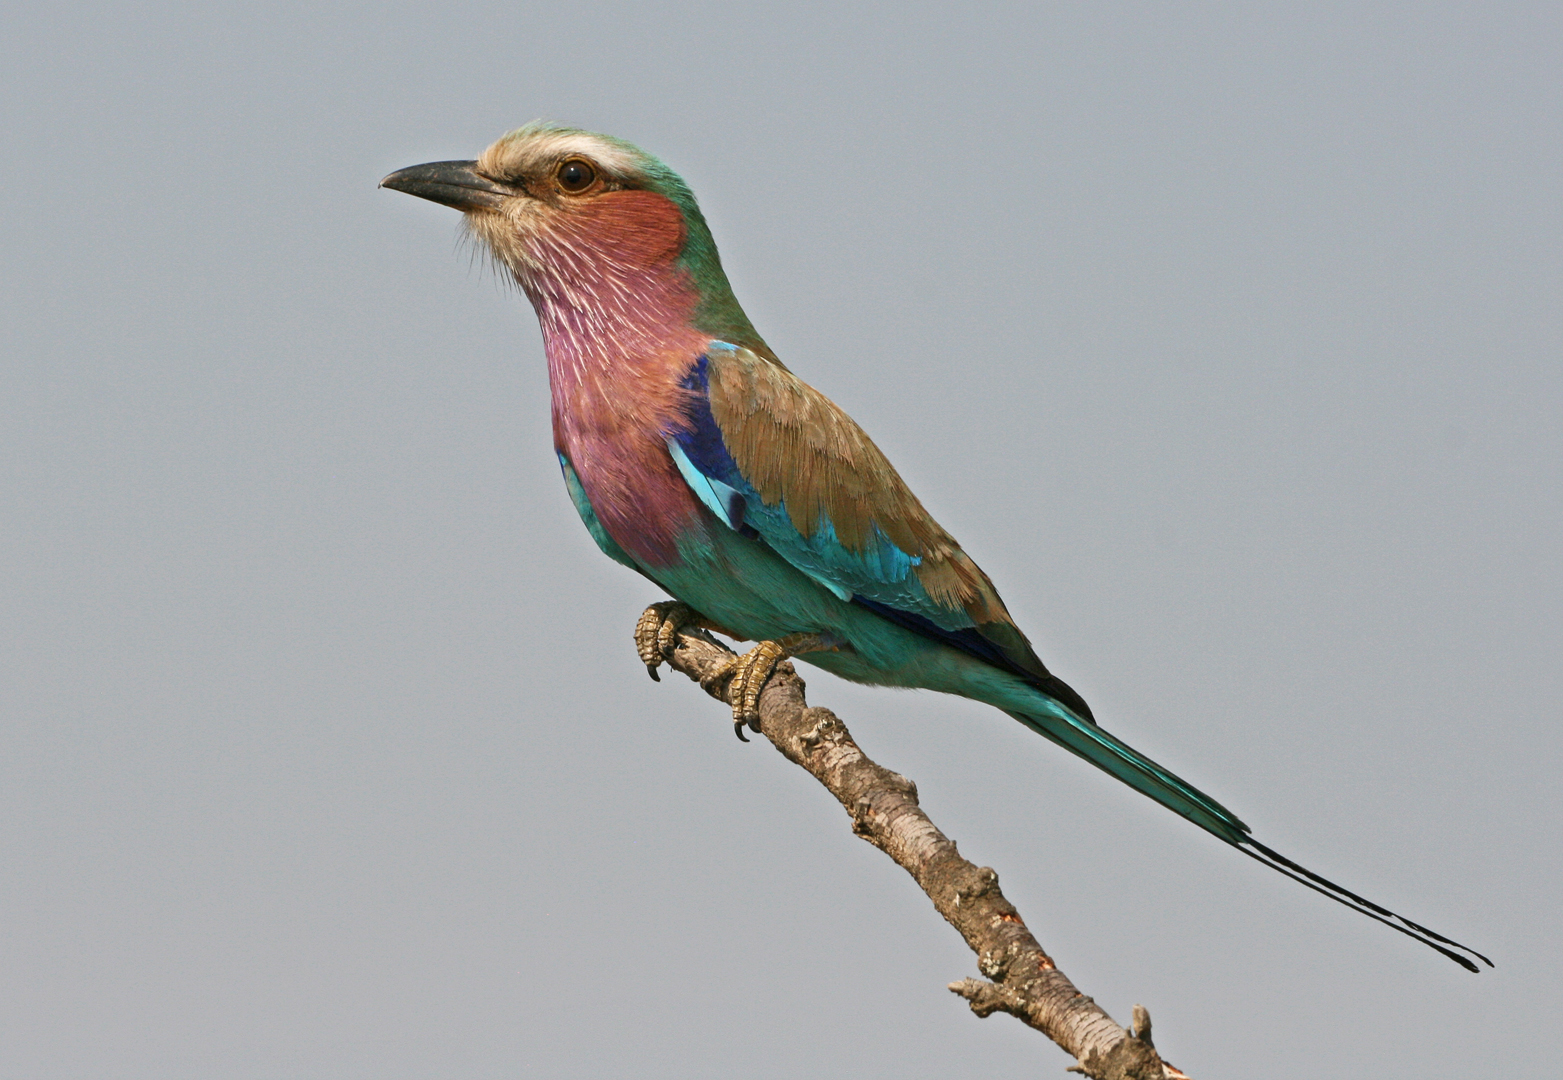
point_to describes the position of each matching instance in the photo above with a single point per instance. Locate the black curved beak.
(450, 183)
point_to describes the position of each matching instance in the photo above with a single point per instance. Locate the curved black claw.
(656, 633)
(656, 636)
(752, 670)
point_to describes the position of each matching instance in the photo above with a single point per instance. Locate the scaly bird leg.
(656, 634)
(752, 670)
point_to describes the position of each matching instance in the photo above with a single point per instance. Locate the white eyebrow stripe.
(603, 153)
(534, 147)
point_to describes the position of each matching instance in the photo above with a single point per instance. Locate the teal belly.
(746, 587)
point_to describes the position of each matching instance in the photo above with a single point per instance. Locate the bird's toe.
(656, 632)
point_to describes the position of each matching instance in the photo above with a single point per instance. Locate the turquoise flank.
(610, 547)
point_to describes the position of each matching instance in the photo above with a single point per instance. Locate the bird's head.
(581, 218)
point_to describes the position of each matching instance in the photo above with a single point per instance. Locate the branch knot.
(987, 998)
(981, 881)
(827, 728)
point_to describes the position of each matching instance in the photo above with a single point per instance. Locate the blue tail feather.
(1115, 757)
(1118, 759)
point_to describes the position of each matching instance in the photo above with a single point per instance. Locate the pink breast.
(615, 308)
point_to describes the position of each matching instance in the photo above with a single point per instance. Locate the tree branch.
(1022, 980)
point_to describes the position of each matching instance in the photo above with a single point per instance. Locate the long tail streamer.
(1117, 758)
(1431, 938)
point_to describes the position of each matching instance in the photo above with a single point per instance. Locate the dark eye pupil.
(575, 176)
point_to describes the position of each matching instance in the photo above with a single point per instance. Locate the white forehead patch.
(522, 150)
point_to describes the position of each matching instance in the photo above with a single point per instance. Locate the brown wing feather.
(797, 446)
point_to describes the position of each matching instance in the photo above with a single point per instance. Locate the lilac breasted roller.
(696, 458)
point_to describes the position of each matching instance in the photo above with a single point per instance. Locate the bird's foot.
(748, 674)
(656, 634)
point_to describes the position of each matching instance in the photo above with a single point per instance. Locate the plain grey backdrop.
(1225, 337)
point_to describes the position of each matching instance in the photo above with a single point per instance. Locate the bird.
(695, 457)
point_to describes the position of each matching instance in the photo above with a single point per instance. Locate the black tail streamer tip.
(1345, 897)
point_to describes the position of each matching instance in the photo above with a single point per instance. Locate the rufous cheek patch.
(641, 228)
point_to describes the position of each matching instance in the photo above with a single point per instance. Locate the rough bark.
(1021, 979)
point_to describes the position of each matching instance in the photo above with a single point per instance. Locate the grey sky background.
(1225, 337)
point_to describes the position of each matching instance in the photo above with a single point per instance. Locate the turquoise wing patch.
(881, 573)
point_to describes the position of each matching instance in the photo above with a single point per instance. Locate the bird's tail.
(1117, 758)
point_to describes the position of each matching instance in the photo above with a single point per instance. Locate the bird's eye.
(575, 175)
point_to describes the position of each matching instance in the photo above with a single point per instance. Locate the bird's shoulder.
(801, 451)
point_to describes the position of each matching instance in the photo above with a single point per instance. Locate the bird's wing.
(776, 459)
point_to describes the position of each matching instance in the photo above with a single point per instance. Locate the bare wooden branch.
(1021, 979)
